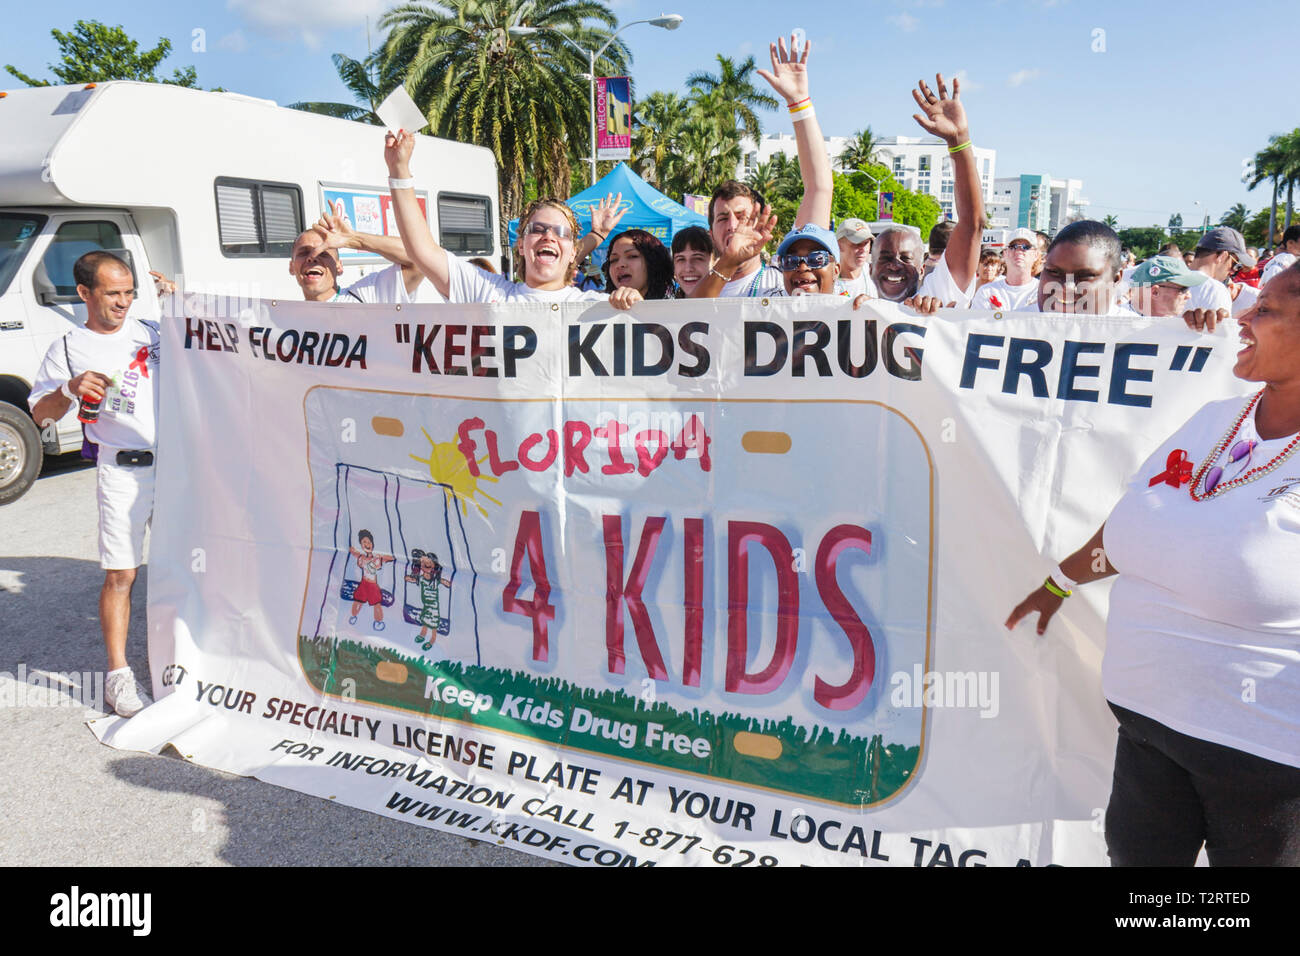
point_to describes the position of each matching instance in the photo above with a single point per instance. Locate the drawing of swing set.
(376, 513)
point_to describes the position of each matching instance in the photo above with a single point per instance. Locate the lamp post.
(1205, 215)
(668, 21)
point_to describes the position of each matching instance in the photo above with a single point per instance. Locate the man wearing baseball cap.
(1017, 290)
(806, 258)
(1160, 286)
(1217, 255)
(854, 239)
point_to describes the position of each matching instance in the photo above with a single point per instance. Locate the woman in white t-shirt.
(1202, 662)
(548, 232)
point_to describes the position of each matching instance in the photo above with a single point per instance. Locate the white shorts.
(125, 509)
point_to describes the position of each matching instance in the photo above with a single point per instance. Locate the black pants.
(1173, 792)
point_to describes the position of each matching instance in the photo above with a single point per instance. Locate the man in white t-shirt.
(1017, 289)
(1081, 272)
(739, 220)
(1286, 255)
(853, 236)
(113, 360)
(1217, 254)
(898, 255)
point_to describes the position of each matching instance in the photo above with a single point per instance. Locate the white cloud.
(905, 22)
(1021, 77)
(308, 20)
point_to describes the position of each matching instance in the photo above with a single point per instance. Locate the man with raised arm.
(899, 255)
(738, 219)
(546, 247)
(315, 265)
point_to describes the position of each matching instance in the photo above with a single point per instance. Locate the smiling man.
(113, 362)
(806, 258)
(314, 263)
(899, 257)
(1017, 289)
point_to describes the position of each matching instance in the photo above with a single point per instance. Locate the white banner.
(713, 583)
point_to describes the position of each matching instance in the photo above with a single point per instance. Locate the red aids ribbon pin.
(1178, 470)
(141, 361)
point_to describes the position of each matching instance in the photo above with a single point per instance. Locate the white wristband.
(67, 392)
(799, 116)
(400, 183)
(1061, 581)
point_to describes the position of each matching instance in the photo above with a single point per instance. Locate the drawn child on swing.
(429, 576)
(368, 591)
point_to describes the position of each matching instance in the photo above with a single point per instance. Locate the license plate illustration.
(718, 587)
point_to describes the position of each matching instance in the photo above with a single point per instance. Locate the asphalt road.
(67, 800)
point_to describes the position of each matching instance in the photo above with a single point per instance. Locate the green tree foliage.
(1256, 230)
(856, 195)
(1112, 221)
(95, 53)
(860, 151)
(1175, 222)
(1143, 241)
(1236, 217)
(366, 82)
(730, 99)
(522, 97)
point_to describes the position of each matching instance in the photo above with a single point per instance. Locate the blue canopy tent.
(648, 209)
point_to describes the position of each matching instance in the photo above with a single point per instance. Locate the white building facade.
(921, 164)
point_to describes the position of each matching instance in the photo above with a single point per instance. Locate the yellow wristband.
(1051, 587)
(958, 149)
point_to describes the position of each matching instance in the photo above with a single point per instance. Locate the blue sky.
(1154, 113)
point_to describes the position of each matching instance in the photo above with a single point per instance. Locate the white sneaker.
(124, 695)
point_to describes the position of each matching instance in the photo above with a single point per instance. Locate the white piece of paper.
(398, 111)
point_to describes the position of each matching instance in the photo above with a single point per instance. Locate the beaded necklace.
(1247, 476)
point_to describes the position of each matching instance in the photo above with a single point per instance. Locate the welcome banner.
(715, 583)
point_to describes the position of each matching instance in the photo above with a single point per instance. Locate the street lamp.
(1205, 215)
(667, 21)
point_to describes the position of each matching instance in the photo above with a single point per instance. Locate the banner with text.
(715, 583)
(614, 111)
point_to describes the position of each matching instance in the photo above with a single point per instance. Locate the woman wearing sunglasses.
(545, 251)
(1202, 662)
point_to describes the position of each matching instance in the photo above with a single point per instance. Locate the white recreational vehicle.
(210, 189)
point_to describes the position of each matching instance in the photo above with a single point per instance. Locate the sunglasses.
(561, 230)
(1243, 449)
(1019, 247)
(817, 259)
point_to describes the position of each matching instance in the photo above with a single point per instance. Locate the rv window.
(72, 241)
(258, 219)
(16, 234)
(465, 224)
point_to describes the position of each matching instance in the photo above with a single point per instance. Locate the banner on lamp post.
(613, 117)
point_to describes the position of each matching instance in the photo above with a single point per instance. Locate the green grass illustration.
(821, 763)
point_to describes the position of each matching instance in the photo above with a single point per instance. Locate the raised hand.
(942, 115)
(607, 213)
(397, 153)
(748, 239)
(789, 74)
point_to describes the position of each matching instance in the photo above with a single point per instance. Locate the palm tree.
(1236, 217)
(730, 97)
(657, 125)
(1279, 161)
(860, 151)
(524, 98)
(1112, 221)
(368, 85)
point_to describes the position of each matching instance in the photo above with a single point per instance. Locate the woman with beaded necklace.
(1202, 661)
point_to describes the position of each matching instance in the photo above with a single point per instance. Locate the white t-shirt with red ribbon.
(129, 357)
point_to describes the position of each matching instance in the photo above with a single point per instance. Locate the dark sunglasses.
(817, 259)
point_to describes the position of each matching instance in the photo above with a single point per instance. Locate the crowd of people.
(1206, 595)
